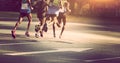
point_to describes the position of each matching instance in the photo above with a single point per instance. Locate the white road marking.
(102, 59)
(49, 51)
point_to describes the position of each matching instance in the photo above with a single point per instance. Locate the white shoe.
(36, 35)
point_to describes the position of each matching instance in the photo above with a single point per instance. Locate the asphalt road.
(80, 43)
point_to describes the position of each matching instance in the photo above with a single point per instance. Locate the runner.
(41, 7)
(52, 13)
(64, 8)
(25, 10)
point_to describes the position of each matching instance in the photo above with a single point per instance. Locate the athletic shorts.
(61, 15)
(25, 10)
(41, 15)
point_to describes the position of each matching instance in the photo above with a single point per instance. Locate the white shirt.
(52, 10)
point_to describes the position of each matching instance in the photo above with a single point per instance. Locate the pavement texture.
(83, 42)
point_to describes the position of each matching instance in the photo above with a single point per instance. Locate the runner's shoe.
(13, 34)
(27, 34)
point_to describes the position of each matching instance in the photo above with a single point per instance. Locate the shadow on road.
(7, 38)
(8, 19)
(10, 27)
(108, 24)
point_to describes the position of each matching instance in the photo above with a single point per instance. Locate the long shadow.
(4, 38)
(59, 41)
(112, 28)
(9, 16)
(108, 53)
(109, 24)
(10, 27)
(8, 19)
(99, 51)
(22, 59)
(21, 43)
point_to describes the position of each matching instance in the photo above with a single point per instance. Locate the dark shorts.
(25, 12)
(61, 15)
(51, 15)
(48, 16)
(41, 15)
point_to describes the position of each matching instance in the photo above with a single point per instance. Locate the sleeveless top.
(53, 7)
(25, 8)
(52, 10)
(62, 9)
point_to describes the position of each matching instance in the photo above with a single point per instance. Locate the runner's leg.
(29, 16)
(15, 27)
(63, 28)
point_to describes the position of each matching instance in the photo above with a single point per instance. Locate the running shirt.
(24, 4)
(54, 7)
(52, 10)
(64, 6)
(63, 10)
(25, 8)
(41, 8)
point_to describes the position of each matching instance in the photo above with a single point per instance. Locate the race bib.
(24, 6)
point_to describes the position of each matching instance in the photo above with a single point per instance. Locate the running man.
(41, 8)
(25, 10)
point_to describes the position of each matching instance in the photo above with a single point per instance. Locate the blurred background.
(104, 8)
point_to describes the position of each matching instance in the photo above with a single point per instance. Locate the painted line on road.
(49, 51)
(102, 59)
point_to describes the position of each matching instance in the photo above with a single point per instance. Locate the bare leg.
(17, 23)
(54, 30)
(29, 23)
(42, 22)
(59, 21)
(63, 28)
(15, 27)
(45, 28)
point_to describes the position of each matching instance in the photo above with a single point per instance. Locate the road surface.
(80, 43)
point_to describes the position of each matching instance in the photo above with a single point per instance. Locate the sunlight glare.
(103, 1)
